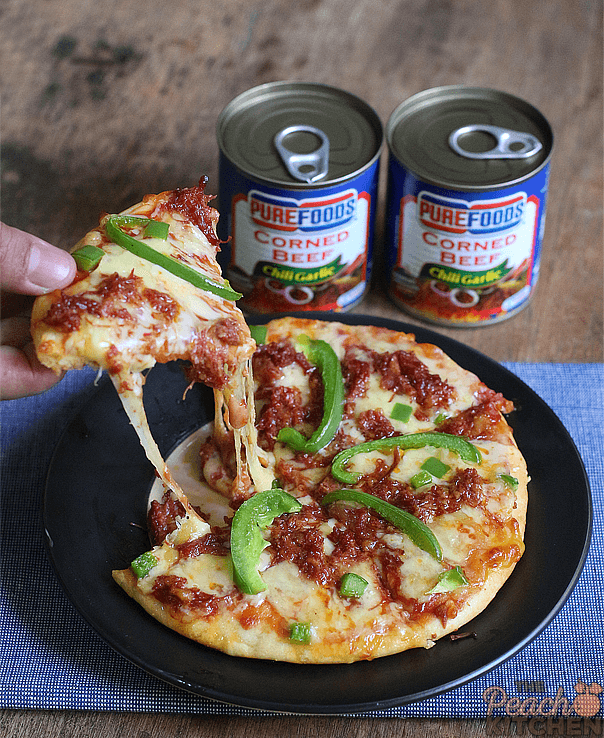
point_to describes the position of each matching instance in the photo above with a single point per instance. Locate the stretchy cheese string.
(129, 386)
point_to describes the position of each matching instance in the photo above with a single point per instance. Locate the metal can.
(298, 177)
(467, 186)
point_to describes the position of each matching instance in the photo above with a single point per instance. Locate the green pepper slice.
(139, 248)
(413, 527)
(435, 467)
(509, 481)
(247, 542)
(449, 580)
(459, 445)
(259, 333)
(421, 479)
(300, 632)
(88, 257)
(401, 412)
(325, 358)
(143, 564)
(352, 585)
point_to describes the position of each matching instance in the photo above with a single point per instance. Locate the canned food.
(298, 177)
(467, 187)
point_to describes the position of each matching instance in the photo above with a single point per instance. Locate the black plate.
(98, 485)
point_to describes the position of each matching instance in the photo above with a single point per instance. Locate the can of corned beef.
(467, 186)
(298, 178)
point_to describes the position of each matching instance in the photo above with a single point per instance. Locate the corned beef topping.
(162, 516)
(403, 373)
(192, 204)
(465, 488)
(373, 424)
(111, 299)
(479, 422)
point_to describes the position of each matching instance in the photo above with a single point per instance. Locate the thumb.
(30, 266)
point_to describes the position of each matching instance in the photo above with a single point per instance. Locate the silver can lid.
(299, 135)
(469, 138)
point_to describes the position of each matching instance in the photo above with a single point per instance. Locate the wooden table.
(104, 102)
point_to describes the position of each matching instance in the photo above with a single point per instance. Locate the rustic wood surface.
(103, 102)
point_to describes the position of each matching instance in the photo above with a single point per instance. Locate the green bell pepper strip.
(88, 257)
(413, 527)
(352, 585)
(459, 445)
(144, 251)
(449, 580)
(325, 358)
(247, 542)
(142, 565)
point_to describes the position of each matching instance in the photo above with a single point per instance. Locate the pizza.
(357, 493)
(149, 289)
(395, 514)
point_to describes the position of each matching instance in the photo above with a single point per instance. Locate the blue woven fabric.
(51, 659)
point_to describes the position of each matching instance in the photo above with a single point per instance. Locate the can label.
(464, 257)
(299, 249)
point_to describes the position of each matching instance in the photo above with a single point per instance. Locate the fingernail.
(49, 268)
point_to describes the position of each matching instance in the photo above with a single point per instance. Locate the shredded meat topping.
(403, 373)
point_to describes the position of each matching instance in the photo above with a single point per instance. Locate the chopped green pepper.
(420, 479)
(259, 333)
(142, 565)
(88, 257)
(417, 531)
(449, 580)
(156, 229)
(459, 445)
(401, 412)
(300, 632)
(509, 481)
(325, 358)
(436, 467)
(352, 585)
(247, 542)
(139, 248)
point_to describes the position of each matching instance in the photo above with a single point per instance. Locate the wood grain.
(104, 102)
(115, 725)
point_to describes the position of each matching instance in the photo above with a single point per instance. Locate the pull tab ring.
(510, 144)
(304, 167)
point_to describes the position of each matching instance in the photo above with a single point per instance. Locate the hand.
(28, 266)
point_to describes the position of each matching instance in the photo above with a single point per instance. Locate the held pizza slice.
(149, 289)
(398, 515)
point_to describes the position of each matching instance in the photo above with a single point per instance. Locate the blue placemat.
(51, 659)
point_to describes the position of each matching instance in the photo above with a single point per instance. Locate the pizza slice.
(397, 515)
(148, 290)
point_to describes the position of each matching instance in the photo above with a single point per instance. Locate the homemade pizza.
(358, 493)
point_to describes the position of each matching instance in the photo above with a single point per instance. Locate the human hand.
(28, 266)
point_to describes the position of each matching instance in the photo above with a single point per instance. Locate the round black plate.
(98, 485)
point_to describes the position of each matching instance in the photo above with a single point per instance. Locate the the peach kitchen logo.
(544, 714)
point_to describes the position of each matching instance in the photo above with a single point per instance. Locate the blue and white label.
(478, 217)
(308, 215)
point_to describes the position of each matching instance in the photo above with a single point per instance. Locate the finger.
(31, 266)
(21, 373)
(15, 332)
